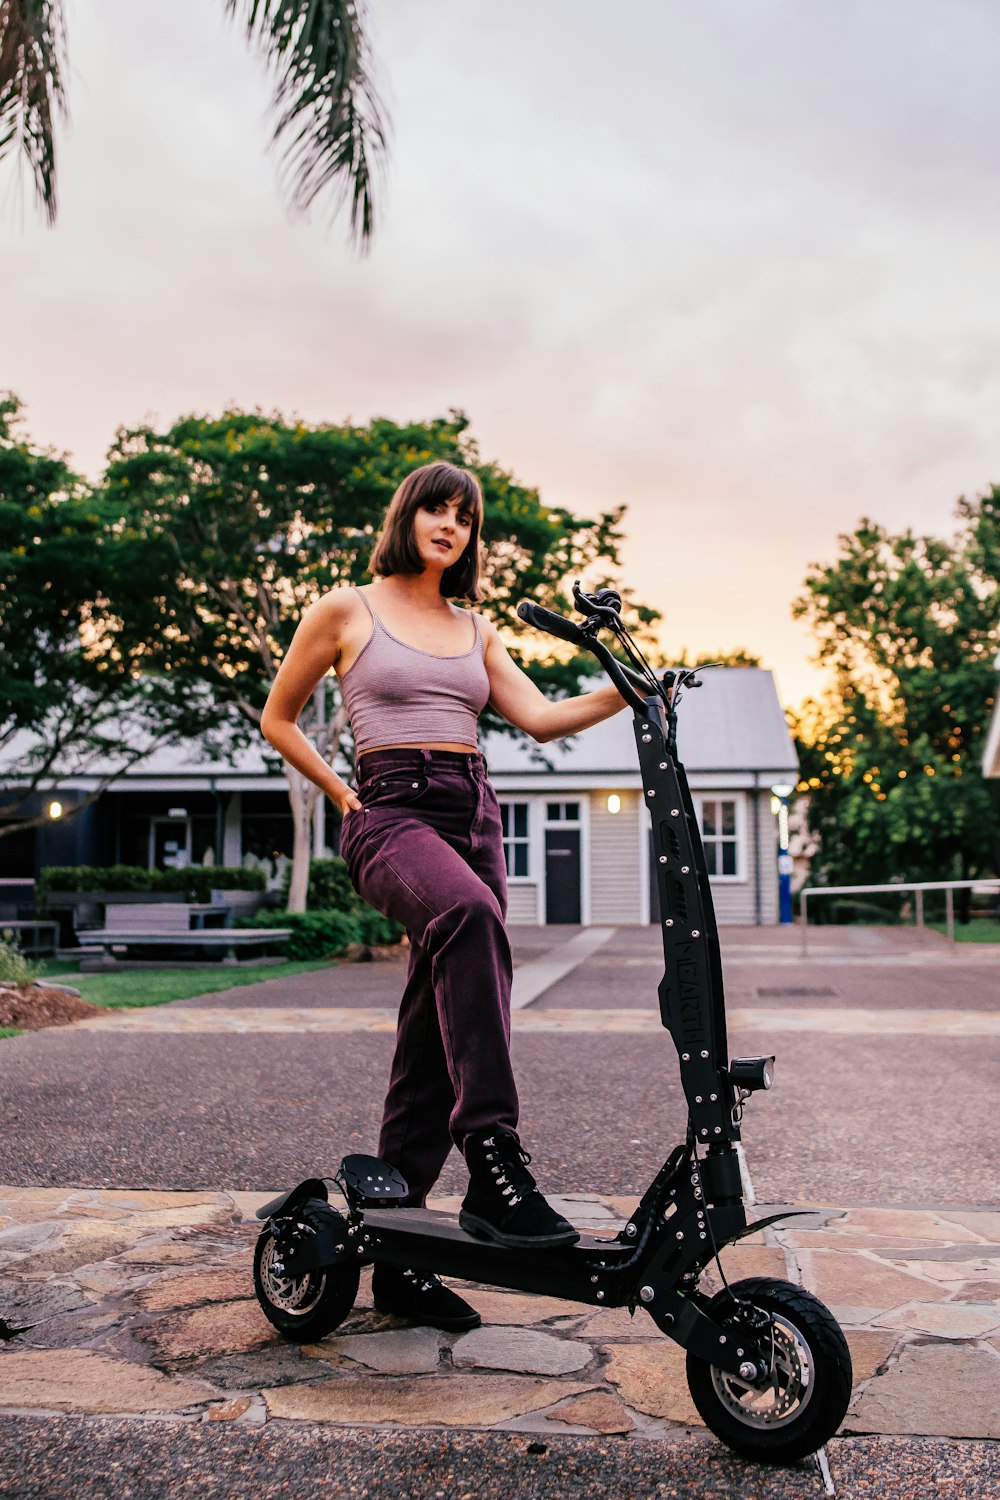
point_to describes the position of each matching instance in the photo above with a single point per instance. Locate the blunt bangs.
(396, 552)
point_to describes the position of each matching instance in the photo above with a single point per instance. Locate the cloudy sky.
(732, 262)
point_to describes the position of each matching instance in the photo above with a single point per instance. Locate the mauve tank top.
(396, 694)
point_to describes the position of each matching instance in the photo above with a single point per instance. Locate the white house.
(576, 833)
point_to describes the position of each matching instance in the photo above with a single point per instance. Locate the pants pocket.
(397, 789)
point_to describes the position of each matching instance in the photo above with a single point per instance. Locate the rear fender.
(312, 1187)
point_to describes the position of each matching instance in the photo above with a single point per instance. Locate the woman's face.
(441, 531)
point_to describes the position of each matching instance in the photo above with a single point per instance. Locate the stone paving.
(134, 1310)
(140, 1304)
(836, 1021)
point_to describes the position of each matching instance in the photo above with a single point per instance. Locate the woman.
(423, 843)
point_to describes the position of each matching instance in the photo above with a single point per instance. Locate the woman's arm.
(314, 650)
(515, 696)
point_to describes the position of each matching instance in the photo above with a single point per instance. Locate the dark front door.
(562, 875)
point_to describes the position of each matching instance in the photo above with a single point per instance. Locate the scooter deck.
(431, 1240)
(444, 1227)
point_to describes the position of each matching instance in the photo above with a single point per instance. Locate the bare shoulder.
(336, 604)
(334, 619)
(486, 627)
(334, 612)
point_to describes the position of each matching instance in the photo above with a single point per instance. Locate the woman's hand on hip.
(346, 802)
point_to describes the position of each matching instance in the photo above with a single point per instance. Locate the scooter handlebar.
(551, 623)
(625, 680)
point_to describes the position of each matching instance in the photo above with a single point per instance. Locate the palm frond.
(330, 122)
(32, 60)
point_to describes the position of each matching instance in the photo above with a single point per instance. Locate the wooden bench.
(164, 916)
(45, 939)
(136, 926)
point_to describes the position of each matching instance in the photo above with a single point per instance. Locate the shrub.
(14, 967)
(375, 929)
(196, 881)
(315, 934)
(329, 887)
(324, 934)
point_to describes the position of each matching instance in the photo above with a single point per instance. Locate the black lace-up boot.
(503, 1202)
(421, 1297)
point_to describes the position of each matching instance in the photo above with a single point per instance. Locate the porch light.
(614, 803)
(55, 809)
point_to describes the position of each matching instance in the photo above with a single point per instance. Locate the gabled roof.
(732, 723)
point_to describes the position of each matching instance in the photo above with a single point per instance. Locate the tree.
(910, 625)
(62, 699)
(328, 118)
(228, 528)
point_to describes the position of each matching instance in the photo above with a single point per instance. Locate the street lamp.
(779, 806)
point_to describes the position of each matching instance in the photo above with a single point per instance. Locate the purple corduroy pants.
(427, 849)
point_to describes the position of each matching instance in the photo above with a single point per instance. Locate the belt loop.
(425, 756)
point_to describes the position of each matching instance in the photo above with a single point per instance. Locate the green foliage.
(69, 676)
(891, 760)
(329, 886)
(230, 527)
(134, 988)
(14, 967)
(739, 657)
(324, 934)
(330, 890)
(328, 118)
(196, 881)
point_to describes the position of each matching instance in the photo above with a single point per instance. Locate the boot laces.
(422, 1284)
(514, 1160)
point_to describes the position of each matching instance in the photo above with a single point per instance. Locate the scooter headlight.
(752, 1073)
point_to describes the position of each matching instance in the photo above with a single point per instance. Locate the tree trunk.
(302, 795)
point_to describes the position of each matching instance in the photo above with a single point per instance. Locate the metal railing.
(919, 887)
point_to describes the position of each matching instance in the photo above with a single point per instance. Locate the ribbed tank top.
(396, 694)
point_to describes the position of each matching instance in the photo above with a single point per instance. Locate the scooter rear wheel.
(807, 1394)
(303, 1308)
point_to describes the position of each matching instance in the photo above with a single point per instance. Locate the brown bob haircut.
(396, 552)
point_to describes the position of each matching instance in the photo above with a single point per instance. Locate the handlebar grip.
(626, 681)
(549, 621)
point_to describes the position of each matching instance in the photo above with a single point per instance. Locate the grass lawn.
(979, 930)
(158, 986)
(8, 1031)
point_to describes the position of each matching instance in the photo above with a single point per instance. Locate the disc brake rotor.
(292, 1294)
(789, 1387)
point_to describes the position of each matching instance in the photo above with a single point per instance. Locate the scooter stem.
(692, 1005)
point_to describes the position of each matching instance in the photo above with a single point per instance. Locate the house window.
(516, 843)
(720, 836)
(562, 812)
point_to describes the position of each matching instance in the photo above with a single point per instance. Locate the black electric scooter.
(768, 1366)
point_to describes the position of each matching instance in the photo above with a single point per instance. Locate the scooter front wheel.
(307, 1307)
(805, 1396)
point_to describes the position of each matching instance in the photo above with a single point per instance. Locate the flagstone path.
(141, 1304)
(132, 1312)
